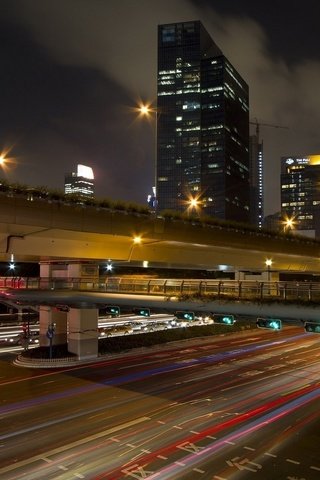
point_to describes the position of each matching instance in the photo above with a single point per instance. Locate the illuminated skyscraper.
(202, 125)
(300, 194)
(80, 183)
(256, 181)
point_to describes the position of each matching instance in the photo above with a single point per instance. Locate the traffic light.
(144, 312)
(312, 327)
(25, 330)
(182, 315)
(223, 319)
(271, 323)
(113, 311)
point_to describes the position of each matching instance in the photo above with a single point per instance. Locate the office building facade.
(80, 183)
(202, 126)
(300, 193)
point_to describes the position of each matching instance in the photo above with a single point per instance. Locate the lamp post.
(50, 335)
(268, 263)
(137, 240)
(146, 110)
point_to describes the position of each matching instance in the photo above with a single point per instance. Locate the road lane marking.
(315, 468)
(292, 461)
(77, 443)
(270, 454)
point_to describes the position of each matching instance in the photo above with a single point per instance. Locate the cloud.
(119, 39)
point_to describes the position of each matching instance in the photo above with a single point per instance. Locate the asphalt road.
(237, 407)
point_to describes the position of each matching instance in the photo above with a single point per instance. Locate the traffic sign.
(269, 323)
(223, 319)
(184, 315)
(312, 327)
(144, 312)
(113, 310)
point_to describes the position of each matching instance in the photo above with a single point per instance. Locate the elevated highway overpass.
(38, 230)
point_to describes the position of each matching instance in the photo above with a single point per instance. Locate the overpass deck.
(36, 229)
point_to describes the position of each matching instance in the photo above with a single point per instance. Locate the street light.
(268, 263)
(288, 223)
(146, 110)
(193, 204)
(5, 159)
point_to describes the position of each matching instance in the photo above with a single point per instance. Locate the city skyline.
(72, 75)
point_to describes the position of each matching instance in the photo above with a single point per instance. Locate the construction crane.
(258, 124)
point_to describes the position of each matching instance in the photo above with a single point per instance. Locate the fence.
(307, 291)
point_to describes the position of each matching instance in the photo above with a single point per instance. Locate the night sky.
(73, 70)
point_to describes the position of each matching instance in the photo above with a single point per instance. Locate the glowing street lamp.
(268, 263)
(137, 239)
(146, 110)
(6, 159)
(288, 224)
(193, 203)
(2, 159)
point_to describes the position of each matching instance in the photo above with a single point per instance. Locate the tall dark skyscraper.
(202, 125)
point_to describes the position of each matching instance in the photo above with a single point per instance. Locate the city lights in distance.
(85, 172)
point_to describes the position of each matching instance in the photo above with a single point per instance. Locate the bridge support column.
(259, 277)
(83, 332)
(50, 315)
(74, 275)
(84, 276)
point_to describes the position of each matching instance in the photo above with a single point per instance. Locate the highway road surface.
(244, 406)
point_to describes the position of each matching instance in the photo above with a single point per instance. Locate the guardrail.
(280, 290)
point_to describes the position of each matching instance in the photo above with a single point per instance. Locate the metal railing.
(246, 290)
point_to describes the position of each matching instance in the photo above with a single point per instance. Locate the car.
(119, 330)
